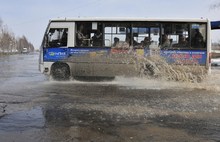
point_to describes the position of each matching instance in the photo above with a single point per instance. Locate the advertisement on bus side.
(170, 56)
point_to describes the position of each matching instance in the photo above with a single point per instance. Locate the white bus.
(109, 47)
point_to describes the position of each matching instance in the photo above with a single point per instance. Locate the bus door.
(57, 40)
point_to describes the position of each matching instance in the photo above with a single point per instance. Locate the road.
(33, 107)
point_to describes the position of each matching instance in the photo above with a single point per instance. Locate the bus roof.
(129, 19)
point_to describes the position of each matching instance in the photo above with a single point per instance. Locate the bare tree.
(12, 41)
(31, 47)
(23, 43)
(215, 5)
(1, 23)
(8, 42)
(1, 36)
(5, 38)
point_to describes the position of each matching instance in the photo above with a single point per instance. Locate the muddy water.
(35, 108)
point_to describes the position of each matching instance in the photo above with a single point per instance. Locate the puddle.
(23, 121)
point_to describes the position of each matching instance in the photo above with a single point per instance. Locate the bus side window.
(117, 31)
(198, 35)
(88, 34)
(80, 37)
(97, 38)
(178, 33)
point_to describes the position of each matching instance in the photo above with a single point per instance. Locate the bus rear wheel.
(60, 71)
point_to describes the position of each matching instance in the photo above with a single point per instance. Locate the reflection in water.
(23, 121)
(76, 125)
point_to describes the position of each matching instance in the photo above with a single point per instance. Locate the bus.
(109, 47)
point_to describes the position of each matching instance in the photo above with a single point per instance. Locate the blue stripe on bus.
(170, 56)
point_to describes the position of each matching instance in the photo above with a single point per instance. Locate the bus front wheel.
(60, 71)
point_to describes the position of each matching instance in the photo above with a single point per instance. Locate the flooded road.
(33, 107)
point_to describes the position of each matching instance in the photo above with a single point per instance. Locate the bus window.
(57, 37)
(155, 36)
(180, 35)
(110, 29)
(167, 35)
(89, 34)
(145, 34)
(141, 37)
(198, 35)
(117, 34)
(83, 30)
(175, 35)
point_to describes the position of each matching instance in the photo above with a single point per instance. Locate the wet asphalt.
(34, 107)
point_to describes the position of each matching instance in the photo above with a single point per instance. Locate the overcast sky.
(30, 17)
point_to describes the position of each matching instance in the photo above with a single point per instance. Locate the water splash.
(154, 72)
(184, 76)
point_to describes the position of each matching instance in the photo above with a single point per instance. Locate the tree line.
(9, 43)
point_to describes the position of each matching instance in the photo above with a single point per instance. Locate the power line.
(57, 13)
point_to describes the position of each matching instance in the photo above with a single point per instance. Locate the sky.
(31, 17)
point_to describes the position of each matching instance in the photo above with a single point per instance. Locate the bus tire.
(150, 70)
(60, 71)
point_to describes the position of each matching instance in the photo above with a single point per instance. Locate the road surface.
(33, 107)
